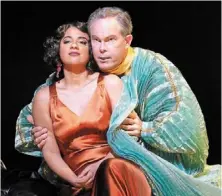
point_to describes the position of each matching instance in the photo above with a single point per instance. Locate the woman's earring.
(58, 69)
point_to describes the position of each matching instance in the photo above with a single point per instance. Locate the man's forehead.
(105, 24)
(105, 28)
(104, 37)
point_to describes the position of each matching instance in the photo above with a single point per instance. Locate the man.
(159, 109)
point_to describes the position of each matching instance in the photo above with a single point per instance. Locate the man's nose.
(102, 47)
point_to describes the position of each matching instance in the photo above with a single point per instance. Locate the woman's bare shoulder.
(42, 94)
(112, 81)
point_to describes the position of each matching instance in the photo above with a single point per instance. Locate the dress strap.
(53, 101)
(103, 91)
(100, 79)
(52, 90)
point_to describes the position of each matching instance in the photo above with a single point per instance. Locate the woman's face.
(74, 47)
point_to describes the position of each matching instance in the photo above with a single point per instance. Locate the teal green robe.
(174, 159)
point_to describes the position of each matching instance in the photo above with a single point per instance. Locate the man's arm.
(171, 118)
(171, 115)
(24, 142)
(173, 126)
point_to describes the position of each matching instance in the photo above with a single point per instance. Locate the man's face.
(108, 44)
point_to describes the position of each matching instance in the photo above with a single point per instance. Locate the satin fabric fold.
(120, 178)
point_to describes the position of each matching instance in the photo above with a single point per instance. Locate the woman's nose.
(74, 44)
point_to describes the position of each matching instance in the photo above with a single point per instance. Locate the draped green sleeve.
(173, 124)
(174, 132)
(24, 142)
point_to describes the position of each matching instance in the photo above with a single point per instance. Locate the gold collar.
(125, 66)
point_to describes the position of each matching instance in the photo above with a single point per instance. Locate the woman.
(76, 110)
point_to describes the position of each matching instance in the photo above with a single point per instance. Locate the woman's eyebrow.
(80, 37)
(67, 37)
(83, 38)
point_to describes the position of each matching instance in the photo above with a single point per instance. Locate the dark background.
(187, 33)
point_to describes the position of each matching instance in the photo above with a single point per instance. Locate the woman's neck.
(76, 78)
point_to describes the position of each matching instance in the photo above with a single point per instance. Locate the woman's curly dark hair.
(51, 46)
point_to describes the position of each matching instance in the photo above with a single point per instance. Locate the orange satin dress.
(82, 140)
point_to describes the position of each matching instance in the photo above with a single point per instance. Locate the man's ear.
(129, 39)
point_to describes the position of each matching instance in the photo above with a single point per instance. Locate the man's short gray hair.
(121, 16)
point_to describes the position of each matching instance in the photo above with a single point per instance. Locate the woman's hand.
(90, 171)
(80, 182)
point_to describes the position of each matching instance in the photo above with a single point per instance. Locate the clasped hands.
(85, 179)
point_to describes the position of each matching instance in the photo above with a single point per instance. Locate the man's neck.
(125, 66)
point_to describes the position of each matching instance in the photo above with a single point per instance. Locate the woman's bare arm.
(114, 87)
(51, 150)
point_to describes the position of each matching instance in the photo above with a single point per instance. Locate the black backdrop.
(187, 33)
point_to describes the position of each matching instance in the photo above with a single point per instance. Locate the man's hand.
(40, 135)
(132, 125)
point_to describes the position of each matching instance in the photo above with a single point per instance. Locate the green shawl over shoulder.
(173, 128)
